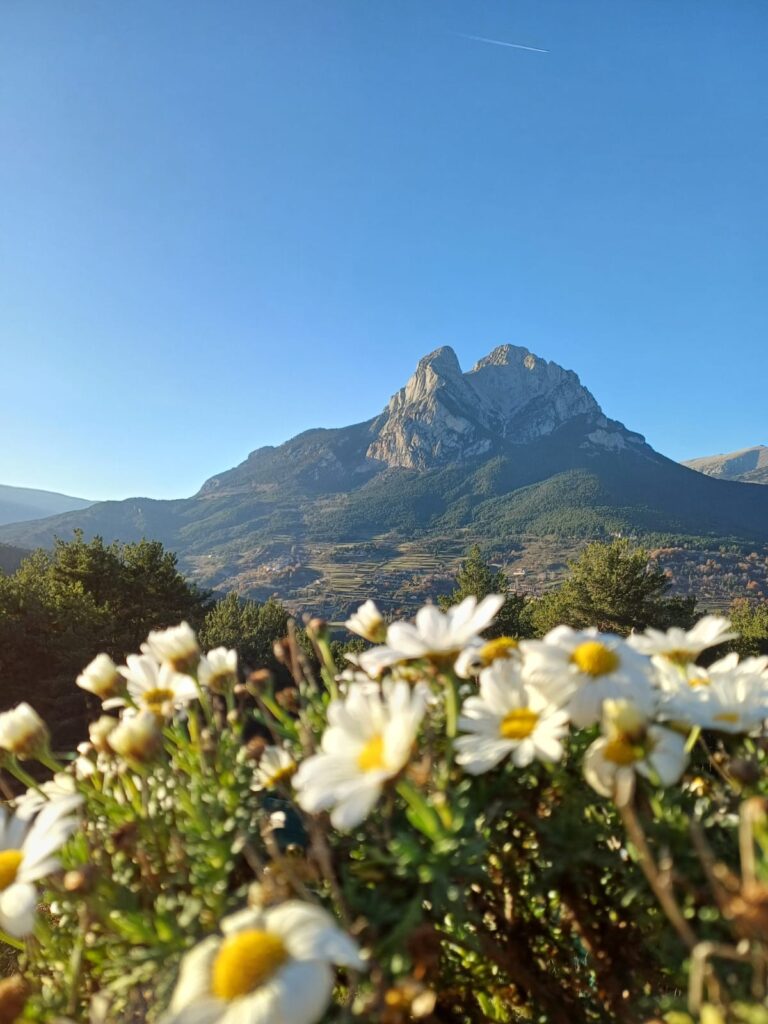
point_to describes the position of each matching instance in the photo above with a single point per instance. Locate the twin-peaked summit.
(443, 414)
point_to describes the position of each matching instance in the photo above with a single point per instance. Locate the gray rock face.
(443, 414)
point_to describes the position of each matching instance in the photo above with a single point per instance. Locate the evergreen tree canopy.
(250, 627)
(615, 588)
(476, 577)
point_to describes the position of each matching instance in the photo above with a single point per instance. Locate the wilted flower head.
(177, 646)
(368, 622)
(270, 965)
(136, 737)
(680, 646)
(368, 741)
(27, 855)
(218, 669)
(23, 733)
(101, 678)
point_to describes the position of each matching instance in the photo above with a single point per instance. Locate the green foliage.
(250, 627)
(476, 577)
(614, 587)
(751, 621)
(63, 606)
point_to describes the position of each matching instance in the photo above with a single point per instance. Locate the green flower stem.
(10, 941)
(423, 816)
(21, 774)
(47, 759)
(451, 706)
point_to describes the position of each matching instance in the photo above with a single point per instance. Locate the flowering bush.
(452, 829)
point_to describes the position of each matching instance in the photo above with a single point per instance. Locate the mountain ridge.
(749, 465)
(514, 448)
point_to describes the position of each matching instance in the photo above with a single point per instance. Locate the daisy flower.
(439, 636)
(680, 646)
(275, 766)
(586, 667)
(368, 741)
(137, 737)
(61, 787)
(152, 687)
(269, 965)
(510, 717)
(101, 678)
(177, 646)
(368, 622)
(479, 656)
(629, 744)
(218, 669)
(728, 696)
(27, 855)
(23, 733)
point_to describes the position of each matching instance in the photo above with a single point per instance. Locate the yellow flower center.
(680, 657)
(695, 681)
(594, 658)
(503, 647)
(622, 751)
(724, 716)
(155, 699)
(245, 961)
(10, 861)
(371, 757)
(518, 724)
(280, 775)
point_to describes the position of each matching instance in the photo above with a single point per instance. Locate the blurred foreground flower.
(368, 622)
(27, 855)
(23, 733)
(436, 635)
(156, 688)
(368, 741)
(684, 646)
(271, 966)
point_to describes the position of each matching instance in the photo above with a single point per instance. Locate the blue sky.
(224, 222)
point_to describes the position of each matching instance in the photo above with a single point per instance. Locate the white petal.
(17, 909)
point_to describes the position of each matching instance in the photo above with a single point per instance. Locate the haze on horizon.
(223, 224)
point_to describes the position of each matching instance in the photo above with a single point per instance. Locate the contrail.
(500, 42)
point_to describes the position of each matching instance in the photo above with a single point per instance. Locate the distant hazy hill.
(18, 504)
(11, 558)
(516, 448)
(749, 465)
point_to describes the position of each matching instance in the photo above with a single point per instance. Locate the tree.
(250, 627)
(62, 607)
(615, 588)
(477, 578)
(751, 621)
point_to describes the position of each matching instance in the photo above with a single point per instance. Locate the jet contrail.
(500, 42)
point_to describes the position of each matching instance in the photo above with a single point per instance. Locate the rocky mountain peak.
(443, 414)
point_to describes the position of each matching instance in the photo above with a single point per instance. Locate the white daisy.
(218, 669)
(510, 717)
(368, 622)
(630, 743)
(101, 678)
(728, 696)
(275, 766)
(23, 733)
(177, 645)
(440, 636)
(270, 965)
(152, 687)
(680, 646)
(27, 855)
(479, 656)
(584, 668)
(61, 787)
(368, 741)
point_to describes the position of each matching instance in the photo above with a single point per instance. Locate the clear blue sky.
(223, 222)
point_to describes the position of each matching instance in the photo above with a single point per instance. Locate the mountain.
(515, 454)
(18, 504)
(749, 465)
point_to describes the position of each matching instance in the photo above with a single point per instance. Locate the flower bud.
(177, 646)
(101, 678)
(137, 738)
(23, 733)
(98, 733)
